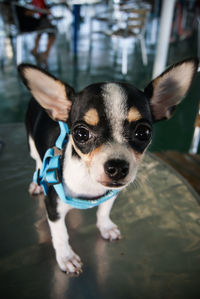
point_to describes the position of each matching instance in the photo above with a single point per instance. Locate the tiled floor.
(103, 63)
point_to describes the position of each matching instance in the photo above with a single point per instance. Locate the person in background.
(37, 19)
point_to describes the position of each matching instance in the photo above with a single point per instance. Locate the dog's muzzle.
(116, 169)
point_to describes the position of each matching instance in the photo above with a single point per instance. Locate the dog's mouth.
(94, 197)
(113, 184)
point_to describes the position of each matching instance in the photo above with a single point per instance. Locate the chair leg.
(18, 49)
(144, 51)
(2, 52)
(115, 45)
(90, 33)
(124, 58)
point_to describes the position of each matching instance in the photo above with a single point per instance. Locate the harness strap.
(63, 137)
(50, 174)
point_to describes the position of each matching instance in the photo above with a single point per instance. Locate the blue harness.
(50, 175)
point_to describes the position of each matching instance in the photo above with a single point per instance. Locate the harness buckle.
(53, 176)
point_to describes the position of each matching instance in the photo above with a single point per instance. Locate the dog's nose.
(116, 169)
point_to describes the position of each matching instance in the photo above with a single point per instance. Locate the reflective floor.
(158, 256)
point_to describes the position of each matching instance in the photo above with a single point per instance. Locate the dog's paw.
(110, 232)
(35, 189)
(70, 263)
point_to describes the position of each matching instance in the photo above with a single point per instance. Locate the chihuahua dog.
(110, 128)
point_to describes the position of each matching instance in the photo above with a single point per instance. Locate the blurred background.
(87, 41)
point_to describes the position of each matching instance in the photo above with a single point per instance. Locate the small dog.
(110, 128)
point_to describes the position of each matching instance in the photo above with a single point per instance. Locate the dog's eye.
(81, 134)
(142, 133)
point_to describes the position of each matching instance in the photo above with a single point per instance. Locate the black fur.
(92, 97)
(51, 204)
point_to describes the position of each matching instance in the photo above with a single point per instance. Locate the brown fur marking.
(133, 114)
(91, 117)
(86, 157)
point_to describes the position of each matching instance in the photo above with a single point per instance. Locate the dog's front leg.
(35, 189)
(67, 259)
(107, 228)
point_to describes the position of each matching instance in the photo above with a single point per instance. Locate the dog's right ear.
(167, 90)
(52, 94)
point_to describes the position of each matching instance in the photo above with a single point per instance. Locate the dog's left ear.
(166, 91)
(52, 94)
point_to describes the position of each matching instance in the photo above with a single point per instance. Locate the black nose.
(116, 169)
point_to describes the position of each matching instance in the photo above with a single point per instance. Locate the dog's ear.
(53, 95)
(167, 90)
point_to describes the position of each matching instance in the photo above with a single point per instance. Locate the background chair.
(124, 22)
(133, 27)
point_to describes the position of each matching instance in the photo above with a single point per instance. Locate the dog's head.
(110, 123)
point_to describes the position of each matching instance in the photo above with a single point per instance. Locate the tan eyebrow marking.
(133, 114)
(91, 117)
